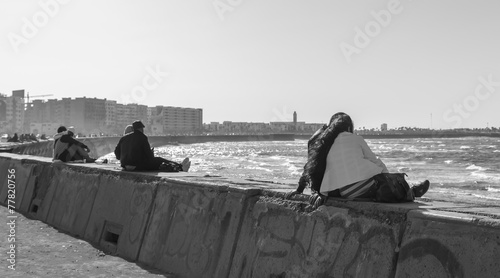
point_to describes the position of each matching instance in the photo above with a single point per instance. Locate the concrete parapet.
(449, 244)
(70, 199)
(18, 173)
(201, 226)
(120, 213)
(193, 228)
(280, 239)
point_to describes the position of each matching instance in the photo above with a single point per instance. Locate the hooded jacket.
(62, 142)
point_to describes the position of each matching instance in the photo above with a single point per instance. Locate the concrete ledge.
(202, 226)
(450, 245)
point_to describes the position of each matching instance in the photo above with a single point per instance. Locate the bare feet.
(186, 164)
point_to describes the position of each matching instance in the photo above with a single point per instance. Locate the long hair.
(319, 145)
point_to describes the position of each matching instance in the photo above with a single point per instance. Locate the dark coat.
(134, 149)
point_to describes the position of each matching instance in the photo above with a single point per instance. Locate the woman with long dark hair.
(341, 164)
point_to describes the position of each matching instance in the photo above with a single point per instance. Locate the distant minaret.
(294, 120)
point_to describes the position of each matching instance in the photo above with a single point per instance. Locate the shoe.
(186, 164)
(420, 189)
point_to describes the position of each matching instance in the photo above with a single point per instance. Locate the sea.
(460, 169)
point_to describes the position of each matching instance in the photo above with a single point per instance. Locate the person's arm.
(147, 148)
(368, 154)
(300, 188)
(118, 149)
(71, 140)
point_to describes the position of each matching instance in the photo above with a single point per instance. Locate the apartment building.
(172, 120)
(12, 112)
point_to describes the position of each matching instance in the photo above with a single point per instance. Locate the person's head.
(128, 129)
(61, 129)
(138, 125)
(340, 122)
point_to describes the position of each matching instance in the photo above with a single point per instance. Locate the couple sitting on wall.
(135, 153)
(341, 164)
(67, 149)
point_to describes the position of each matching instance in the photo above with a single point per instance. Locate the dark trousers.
(154, 165)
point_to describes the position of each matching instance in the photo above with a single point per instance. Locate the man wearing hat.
(135, 153)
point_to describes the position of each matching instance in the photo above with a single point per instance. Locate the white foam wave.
(492, 189)
(485, 197)
(476, 168)
(448, 161)
(464, 147)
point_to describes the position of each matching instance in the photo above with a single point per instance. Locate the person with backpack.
(341, 164)
(135, 153)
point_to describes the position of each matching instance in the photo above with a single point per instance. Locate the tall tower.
(294, 120)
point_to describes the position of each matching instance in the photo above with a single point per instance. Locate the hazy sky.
(405, 63)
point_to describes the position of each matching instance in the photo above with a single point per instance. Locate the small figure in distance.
(14, 138)
(67, 149)
(341, 164)
(135, 153)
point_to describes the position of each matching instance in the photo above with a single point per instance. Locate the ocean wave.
(448, 161)
(258, 168)
(464, 147)
(486, 197)
(404, 169)
(492, 189)
(476, 168)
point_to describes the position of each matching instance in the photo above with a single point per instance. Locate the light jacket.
(349, 160)
(62, 142)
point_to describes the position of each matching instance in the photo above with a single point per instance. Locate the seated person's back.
(134, 149)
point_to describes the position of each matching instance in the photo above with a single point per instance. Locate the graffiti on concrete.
(323, 246)
(419, 248)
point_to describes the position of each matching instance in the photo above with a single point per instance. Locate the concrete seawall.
(100, 146)
(200, 226)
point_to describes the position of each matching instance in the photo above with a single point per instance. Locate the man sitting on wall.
(66, 148)
(135, 153)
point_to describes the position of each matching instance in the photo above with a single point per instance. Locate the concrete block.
(71, 197)
(5, 163)
(39, 207)
(192, 229)
(445, 244)
(120, 213)
(279, 239)
(22, 184)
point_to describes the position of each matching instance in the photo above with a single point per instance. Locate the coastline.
(403, 135)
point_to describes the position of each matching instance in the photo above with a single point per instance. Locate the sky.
(417, 63)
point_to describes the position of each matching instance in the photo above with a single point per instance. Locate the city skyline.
(246, 61)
